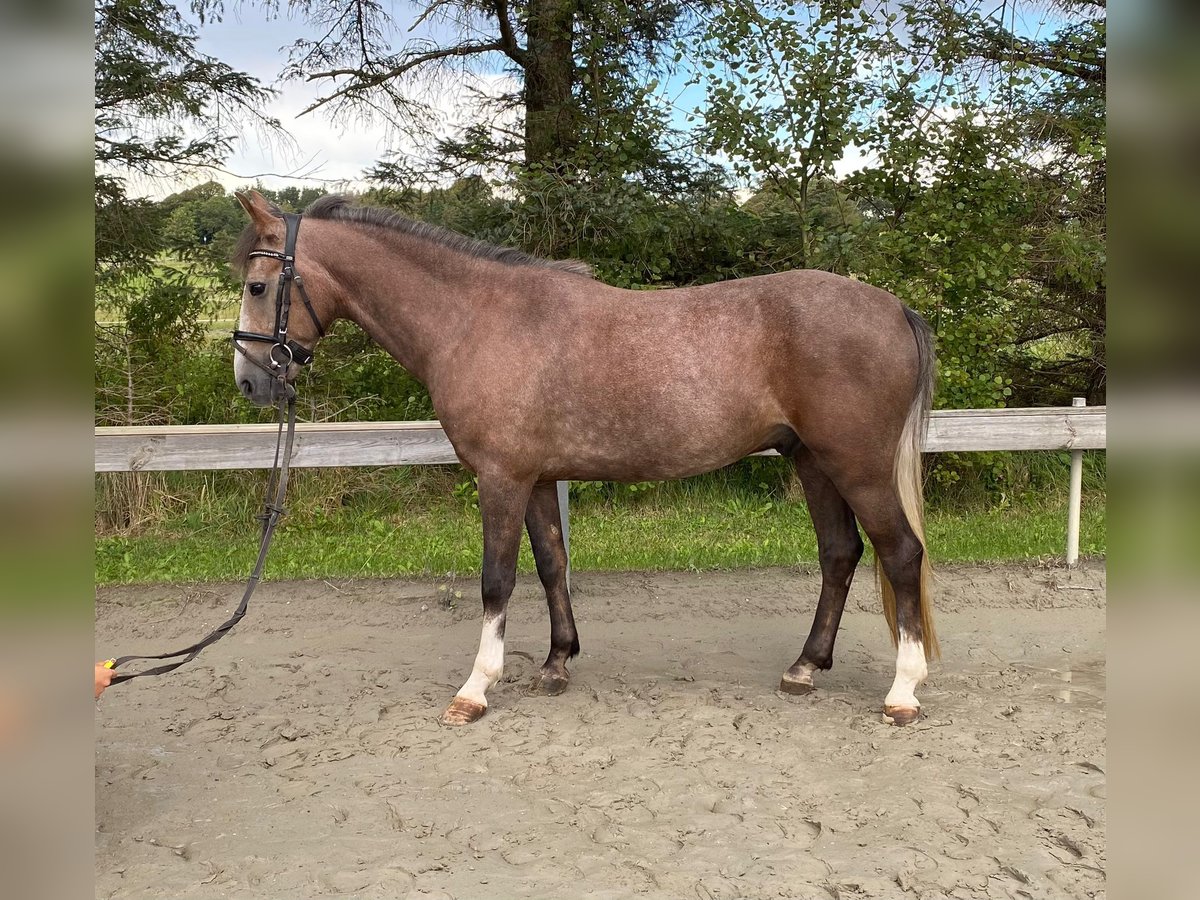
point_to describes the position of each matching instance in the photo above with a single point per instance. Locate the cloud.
(333, 152)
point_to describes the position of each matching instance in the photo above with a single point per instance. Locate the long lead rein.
(273, 511)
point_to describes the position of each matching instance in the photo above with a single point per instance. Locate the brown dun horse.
(539, 374)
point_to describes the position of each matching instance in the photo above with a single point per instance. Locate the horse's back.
(766, 334)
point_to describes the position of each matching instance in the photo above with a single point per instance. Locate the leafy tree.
(1038, 104)
(201, 225)
(1058, 111)
(946, 243)
(784, 95)
(289, 199)
(821, 231)
(982, 198)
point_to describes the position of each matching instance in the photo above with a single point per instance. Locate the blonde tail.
(909, 486)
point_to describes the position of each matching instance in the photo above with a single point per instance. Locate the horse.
(540, 373)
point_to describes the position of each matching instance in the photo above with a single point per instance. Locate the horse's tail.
(908, 479)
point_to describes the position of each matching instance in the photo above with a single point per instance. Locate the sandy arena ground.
(301, 757)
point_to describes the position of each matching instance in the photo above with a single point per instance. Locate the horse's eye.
(257, 288)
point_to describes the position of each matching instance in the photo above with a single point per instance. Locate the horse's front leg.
(502, 503)
(543, 520)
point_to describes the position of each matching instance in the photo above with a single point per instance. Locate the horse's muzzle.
(265, 391)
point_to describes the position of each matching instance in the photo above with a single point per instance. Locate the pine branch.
(362, 82)
(998, 44)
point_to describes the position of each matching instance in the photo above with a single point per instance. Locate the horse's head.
(283, 303)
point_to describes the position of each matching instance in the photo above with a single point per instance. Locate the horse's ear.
(256, 207)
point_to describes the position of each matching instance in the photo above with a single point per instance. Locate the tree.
(201, 226)
(1058, 109)
(152, 86)
(785, 94)
(162, 107)
(566, 55)
(1041, 98)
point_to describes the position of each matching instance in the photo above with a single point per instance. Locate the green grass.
(418, 532)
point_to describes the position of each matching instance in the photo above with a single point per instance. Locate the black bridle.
(288, 352)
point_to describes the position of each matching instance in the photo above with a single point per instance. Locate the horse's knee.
(497, 587)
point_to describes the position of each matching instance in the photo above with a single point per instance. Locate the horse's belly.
(647, 470)
(654, 452)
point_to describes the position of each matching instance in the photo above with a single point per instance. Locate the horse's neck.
(417, 300)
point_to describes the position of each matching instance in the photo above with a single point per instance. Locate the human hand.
(104, 676)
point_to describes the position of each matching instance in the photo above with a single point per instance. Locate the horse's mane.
(338, 208)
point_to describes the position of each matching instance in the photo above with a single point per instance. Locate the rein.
(273, 509)
(272, 512)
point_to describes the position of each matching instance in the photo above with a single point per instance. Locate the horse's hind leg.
(901, 556)
(544, 523)
(839, 548)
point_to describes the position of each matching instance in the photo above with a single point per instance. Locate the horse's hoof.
(462, 711)
(901, 715)
(790, 686)
(549, 685)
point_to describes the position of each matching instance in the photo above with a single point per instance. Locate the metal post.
(1075, 498)
(564, 514)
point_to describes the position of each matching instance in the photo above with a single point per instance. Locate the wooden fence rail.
(183, 447)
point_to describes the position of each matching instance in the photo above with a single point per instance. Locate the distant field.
(220, 321)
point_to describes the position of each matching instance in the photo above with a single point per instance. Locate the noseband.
(283, 351)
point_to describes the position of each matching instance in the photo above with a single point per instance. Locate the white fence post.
(1075, 498)
(564, 514)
